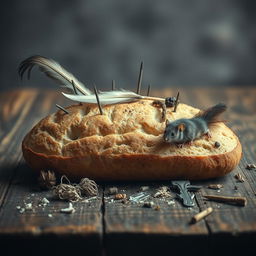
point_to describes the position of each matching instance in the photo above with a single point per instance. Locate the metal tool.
(184, 187)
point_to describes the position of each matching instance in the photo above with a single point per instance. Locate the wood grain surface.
(111, 227)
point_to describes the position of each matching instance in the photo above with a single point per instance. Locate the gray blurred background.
(182, 42)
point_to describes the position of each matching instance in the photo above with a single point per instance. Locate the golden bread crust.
(126, 143)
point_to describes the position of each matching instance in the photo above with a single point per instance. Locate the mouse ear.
(181, 127)
(167, 122)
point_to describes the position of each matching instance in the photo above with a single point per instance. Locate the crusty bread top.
(128, 128)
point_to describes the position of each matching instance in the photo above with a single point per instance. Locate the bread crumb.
(69, 210)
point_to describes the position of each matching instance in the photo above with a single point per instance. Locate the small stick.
(148, 90)
(238, 200)
(140, 78)
(176, 102)
(113, 85)
(61, 108)
(201, 215)
(98, 100)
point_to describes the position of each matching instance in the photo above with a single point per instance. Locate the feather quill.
(110, 97)
(53, 70)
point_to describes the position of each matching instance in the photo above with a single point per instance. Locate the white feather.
(110, 97)
(55, 71)
(119, 94)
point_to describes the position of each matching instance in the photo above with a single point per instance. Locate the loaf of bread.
(126, 143)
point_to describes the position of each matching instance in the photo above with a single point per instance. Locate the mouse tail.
(211, 115)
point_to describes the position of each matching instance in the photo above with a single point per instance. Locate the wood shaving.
(163, 192)
(239, 177)
(68, 192)
(88, 187)
(215, 186)
(120, 196)
(47, 179)
(251, 166)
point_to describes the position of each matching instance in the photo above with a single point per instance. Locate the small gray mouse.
(186, 130)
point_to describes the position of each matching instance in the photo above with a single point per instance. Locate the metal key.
(184, 194)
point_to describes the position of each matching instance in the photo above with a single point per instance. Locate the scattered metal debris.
(216, 144)
(139, 197)
(28, 207)
(170, 101)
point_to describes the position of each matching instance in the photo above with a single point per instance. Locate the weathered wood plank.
(84, 227)
(147, 230)
(13, 117)
(81, 228)
(20, 110)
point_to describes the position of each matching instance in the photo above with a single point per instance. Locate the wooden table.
(101, 226)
